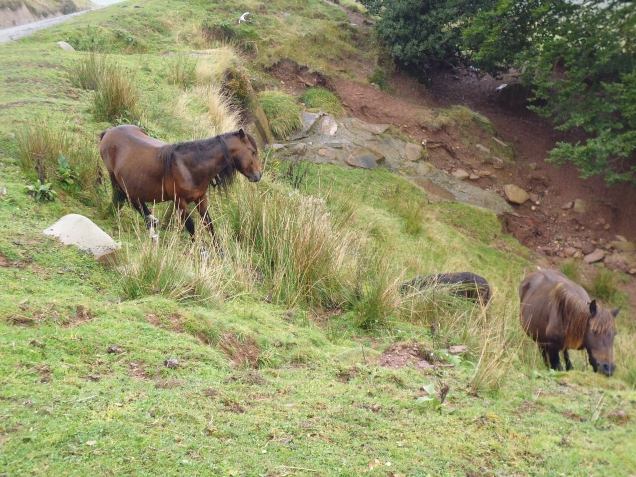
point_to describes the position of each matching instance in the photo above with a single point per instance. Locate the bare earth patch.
(241, 353)
(405, 354)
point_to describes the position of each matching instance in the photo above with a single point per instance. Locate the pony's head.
(244, 154)
(599, 338)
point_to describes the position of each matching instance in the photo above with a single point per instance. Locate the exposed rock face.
(355, 143)
(75, 229)
(515, 194)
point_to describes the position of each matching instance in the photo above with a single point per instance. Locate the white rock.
(515, 194)
(65, 46)
(461, 174)
(75, 229)
(595, 256)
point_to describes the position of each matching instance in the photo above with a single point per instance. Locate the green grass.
(282, 111)
(320, 99)
(305, 294)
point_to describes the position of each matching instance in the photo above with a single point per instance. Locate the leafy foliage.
(41, 192)
(424, 34)
(66, 174)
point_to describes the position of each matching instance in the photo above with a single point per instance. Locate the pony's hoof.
(152, 221)
(205, 254)
(153, 234)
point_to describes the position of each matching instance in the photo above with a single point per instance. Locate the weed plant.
(282, 111)
(604, 285)
(571, 269)
(181, 70)
(86, 72)
(320, 99)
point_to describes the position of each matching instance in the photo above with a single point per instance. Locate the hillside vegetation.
(294, 351)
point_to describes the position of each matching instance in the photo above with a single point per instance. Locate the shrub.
(41, 192)
(181, 70)
(324, 100)
(571, 270)
(604, 285)
(282, 111)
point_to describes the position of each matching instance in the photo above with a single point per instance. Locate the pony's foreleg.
(555, 360)
(142, 208)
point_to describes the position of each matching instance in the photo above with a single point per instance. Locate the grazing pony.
(143, 169)
(558, 314)
(464, 284)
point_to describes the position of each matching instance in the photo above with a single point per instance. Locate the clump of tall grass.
(182, 270)
(324, 100)
(376, 298)
(306, 253)
(116, 97)
(211, 69)
(40, 145)
(282, 111)
(221, 114)
(604, 285)
(181, 70)
(88, 70)
(571, 270)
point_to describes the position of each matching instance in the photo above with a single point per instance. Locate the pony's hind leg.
(568, 363)
(185, 215)
(551, 357)
(202, 207)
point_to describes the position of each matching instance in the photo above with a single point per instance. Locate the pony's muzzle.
(606, 368)
(255, 176)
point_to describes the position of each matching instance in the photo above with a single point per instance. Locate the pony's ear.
(593, 308)
(615, 312)
(242, 134)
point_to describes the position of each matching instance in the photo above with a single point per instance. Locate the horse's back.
(537, 308)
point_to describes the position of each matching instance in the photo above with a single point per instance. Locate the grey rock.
(362, 159)
(567, 205)
(372, 128)
(570, 251)
(624, 246)
(329, 126)
(473, 177)
(3, 191)
(171, 363)
(499, 141)
(587, 248)
(534, 197)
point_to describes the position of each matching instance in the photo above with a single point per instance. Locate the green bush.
(116, 96)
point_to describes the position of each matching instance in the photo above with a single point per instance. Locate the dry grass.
(211, 68)
(220, 114)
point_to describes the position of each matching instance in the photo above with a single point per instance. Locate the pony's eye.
(595, 332)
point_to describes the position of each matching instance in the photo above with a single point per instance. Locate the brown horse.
(558, 315)
(143, 169)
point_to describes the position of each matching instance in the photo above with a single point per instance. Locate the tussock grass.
(181, 70)
(39, 146)
(178, 270)
(571, 270)
(211, 68)
(282, 111)
(87, 72)
(206, 111)
(307, 253)
(323, 100)
(116, 97)
(604, 285)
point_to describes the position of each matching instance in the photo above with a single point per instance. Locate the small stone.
(601, 221)
(570, 251)
(482, 148)
(620, 238)
(329, 153)
(3, 191)
(171, 363)
(595, 256)
(606, 226)
(458, 349)
(534, 197)
(533, 166)
(112, 349)
(632, 271)
(94, 377)
(567, 205)
(515, 194)
(579, 206)
(587, 248)
(474, 177)
(499, 141)
(497, 163)
(363, 161)
(461, 174)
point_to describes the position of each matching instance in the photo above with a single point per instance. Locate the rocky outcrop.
(350, 142)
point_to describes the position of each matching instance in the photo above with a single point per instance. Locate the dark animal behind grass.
(464, 284)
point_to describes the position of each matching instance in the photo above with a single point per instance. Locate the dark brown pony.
(465, 284)
(558, 314)
(143, 169)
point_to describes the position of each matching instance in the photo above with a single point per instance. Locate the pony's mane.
(201, 149)
(575, 315)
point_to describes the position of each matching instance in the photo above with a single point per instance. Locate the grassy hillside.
(279, 341)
